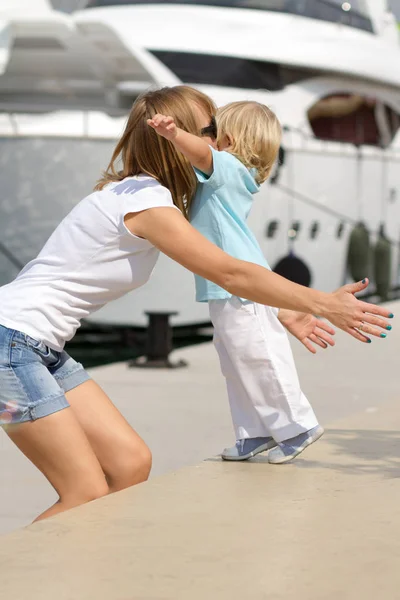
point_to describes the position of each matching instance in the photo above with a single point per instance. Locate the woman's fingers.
(318, 341)
(366, 329)
(356, 287)
(377, 321)
(325, 336)
(374, 309)
(326, 327)
(373, 325)
(358, 336)
(308, 344)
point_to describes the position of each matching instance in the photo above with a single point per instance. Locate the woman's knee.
(146, 461)
(133, 468)
(139, 465)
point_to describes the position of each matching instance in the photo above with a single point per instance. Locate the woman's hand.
(164, 126)
(359, 319)
(309, 330)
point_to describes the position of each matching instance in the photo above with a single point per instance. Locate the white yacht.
(328, 68)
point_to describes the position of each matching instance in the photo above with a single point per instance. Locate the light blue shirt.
(219, 211)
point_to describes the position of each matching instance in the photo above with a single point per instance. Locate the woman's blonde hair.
(255, 135)
(142, 150)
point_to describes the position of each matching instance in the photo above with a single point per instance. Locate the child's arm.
(196, 150)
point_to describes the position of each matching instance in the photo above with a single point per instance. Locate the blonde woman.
(105, 247)
(269, 410)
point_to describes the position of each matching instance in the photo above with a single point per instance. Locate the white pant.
(257, 363)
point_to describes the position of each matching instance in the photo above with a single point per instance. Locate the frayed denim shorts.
(33, 378)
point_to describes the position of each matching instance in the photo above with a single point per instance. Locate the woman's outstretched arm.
(169, 231)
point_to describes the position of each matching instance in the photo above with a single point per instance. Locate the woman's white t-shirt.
(89, 260)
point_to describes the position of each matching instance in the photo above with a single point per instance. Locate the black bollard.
(158, 344)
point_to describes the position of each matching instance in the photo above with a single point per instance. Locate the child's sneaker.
(289, 449)
(246, 448)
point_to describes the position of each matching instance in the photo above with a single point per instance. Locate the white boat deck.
(324, 527)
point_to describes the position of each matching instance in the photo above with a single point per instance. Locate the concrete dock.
(323, 527)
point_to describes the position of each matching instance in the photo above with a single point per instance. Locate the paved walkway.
(323, 528)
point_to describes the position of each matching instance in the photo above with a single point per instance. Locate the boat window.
(340, 230)
(351, 13)
(31, 43)
(230, 71)
(272, 229)
(392, 195)
(314, 229)
(353, 119)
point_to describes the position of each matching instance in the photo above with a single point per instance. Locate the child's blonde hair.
(255, 134)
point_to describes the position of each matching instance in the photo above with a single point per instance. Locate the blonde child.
(269, 410)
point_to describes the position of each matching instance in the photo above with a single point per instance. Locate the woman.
(106, 246)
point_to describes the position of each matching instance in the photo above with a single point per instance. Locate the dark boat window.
(230, 71)
(31, 43)
(272, 229)
(340, 230)
(314, 229)
(353, 119)
(334, 11)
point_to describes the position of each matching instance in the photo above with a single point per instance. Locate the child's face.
(205, 122)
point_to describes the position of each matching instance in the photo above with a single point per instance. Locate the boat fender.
(295, 269)
(358, 253)
(382, 266)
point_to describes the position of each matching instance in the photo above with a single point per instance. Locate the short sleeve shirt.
(219, 212)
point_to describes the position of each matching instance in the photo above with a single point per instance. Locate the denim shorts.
(33, 378)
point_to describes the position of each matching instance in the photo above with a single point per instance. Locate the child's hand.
(309, 330)
(164, 126)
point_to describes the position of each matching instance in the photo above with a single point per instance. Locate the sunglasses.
(211, 129)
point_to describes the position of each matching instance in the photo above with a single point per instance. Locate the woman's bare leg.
(122, 454)
(81, 448)
(59, 448)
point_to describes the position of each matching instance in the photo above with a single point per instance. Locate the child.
(269, 410)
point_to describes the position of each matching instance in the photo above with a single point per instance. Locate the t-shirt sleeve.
(150, 196)
(135, 199)
(221, 168)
